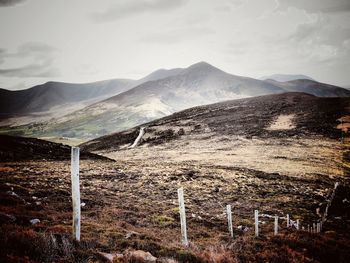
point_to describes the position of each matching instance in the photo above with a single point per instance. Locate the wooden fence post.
(229, 219)
(256, 217)
(288, 220)
(298, 227)
(180, 193)
(276, 226)
(75, 192)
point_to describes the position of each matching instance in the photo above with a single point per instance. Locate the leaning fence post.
(276, 225)
(256, 217)
(75, 192)
(180, 193)
(287, 220)
(229, 219)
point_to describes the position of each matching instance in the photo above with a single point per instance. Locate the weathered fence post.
(287, 220)
(229, 219)
(276, 226)
(298, 227)
(256, 217)
(180, 193)
(75, 192)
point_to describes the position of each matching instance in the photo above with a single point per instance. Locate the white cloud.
(123, 9)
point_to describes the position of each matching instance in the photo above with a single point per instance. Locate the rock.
(131, 234)
(82, 204)
(140, 256)
(112, 257)
(34, 221)
(168, 260)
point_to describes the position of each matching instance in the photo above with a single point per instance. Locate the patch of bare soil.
(283, 122)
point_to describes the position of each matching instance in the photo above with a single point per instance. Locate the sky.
(87, 40)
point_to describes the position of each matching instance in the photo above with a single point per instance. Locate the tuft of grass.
(163, 220)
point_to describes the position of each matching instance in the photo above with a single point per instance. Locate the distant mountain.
(311, 87)
(310, 116)
(54, 99)
(285, 77)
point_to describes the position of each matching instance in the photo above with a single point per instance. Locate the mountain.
(196, 85)
(285, 77)
(311, 87)
(163, 93)
(286, 115)
(54, 99)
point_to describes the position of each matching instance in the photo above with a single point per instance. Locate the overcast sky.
(89, 40)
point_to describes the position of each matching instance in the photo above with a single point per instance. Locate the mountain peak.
(201, 64)
(202, 67)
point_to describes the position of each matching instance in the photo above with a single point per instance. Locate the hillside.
(14, 148)
(308, 115)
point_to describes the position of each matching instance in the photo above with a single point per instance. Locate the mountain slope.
(43, 97)
(55, 99)
(263, 116)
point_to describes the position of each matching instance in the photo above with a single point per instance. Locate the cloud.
(315, 6)
(4, 3)
(321, 30)
(130, 8)
(177, 35)
(38, 60)
(319, 41)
